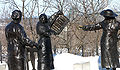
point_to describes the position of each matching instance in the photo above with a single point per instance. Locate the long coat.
(45, 56)
(17, 40)
(109, 39)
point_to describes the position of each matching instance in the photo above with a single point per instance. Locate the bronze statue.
(109, 39)
(45, 28)
(17, 40)
(45, 56)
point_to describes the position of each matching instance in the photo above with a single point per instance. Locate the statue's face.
(16, 16)
(43, 18)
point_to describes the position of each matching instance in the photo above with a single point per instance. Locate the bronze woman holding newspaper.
(45, 28)
(45, 56)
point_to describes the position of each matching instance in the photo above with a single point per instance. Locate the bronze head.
(16, 16)
(43, 18)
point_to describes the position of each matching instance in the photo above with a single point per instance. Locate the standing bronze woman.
(17, 40)
(109, 39)
(45, 56)
(45, 28)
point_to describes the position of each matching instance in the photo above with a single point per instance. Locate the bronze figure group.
(18, 40)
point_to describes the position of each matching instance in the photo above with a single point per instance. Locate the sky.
(19, 3)
(114, 5)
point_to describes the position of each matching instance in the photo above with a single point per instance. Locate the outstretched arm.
(25, 40)
(91, 27)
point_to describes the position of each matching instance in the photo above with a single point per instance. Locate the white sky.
(115, 5)
(19, 3)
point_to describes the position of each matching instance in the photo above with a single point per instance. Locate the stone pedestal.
(3, 67)
(82, 66)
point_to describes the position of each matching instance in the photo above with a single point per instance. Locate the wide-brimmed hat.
(108, 13)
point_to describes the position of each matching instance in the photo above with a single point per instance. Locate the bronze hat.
(108, 13)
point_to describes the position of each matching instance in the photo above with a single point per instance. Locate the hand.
(53, 32)
(59, 12)
(80, 26)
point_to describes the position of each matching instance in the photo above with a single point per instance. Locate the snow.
(3, 66)
(67, 61)
(30, 65)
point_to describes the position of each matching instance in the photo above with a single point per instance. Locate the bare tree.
(82, 12)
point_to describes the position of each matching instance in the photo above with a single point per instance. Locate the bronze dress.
(17, 40)
(109, 39)
(45, 56)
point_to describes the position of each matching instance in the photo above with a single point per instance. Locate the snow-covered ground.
(67, 61)
(3, 66)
